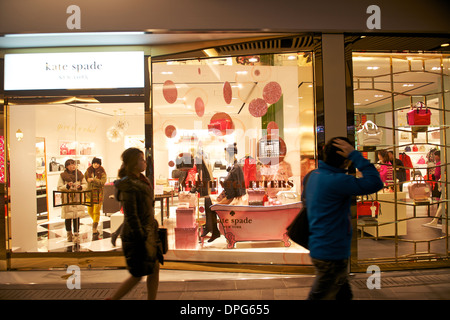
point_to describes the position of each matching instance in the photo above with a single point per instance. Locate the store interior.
(386, 88)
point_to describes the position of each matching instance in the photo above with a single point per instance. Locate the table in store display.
(384, 225)
(161, 197)
(256, 223)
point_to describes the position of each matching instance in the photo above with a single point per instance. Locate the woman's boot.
(69, 236)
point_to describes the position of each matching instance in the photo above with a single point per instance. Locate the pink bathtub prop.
(256, 223)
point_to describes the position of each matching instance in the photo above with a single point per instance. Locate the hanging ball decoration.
(170, 131)
(272, 92)
(227, 92)
(199, 107)
(170, 92)
(257, 107)
(272, 127)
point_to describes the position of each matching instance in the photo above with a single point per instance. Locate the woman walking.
(140, 240)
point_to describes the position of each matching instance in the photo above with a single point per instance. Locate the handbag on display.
(367, 208)
(421, 160)
(219, 124)
(188, 197)
(415, 148)
(369, 136)
(419, 115)
(419, 190)
(53, 165)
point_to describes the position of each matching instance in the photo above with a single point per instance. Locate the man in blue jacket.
(329, 191)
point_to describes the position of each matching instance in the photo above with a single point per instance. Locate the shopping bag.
(369, 136)
(419, 115)
(298, 230)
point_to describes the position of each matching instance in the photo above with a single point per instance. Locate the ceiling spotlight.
(445, 44)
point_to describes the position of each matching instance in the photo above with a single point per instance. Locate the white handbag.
(369, 136)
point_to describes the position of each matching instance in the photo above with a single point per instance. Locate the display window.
(64, 158)
(402, 114)
(233, 138)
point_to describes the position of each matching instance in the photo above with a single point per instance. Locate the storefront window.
(251, 117)
(401, 106)
(43, 139)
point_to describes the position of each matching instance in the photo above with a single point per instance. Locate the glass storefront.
(402, 112)
(65, 132)
(43, 140)
(215, 116)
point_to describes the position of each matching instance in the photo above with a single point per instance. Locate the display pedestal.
(384, 225)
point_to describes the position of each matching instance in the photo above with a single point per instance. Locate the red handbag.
(366, 208)
(219, 124)
(419, 115)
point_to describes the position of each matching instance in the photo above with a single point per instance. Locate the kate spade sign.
(81, 70)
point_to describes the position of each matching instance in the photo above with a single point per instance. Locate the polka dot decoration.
(170, 92)
(272, 92)
(257, 107)
(227, 92)
(199, 107)
(170, 131)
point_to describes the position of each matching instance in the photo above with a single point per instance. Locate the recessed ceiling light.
(445, 44)
(373, 68)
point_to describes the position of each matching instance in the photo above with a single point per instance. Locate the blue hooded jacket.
(328, 197)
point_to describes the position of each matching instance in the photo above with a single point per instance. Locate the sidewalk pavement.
(430, 284)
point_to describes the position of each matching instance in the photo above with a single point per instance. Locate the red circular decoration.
(227, 93)
(257, 107)
(272, 92)
(170, 131)
(199, 107)
(171, 163)
(272, 125)
(201, 209)
(170, 91)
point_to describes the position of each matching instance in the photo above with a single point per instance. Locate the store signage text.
(74, 70)
(235, 184)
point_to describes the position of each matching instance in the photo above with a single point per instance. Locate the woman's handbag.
(162, 232)
(419, 115)
(419, 190)
(298, 230)
(369, 136)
